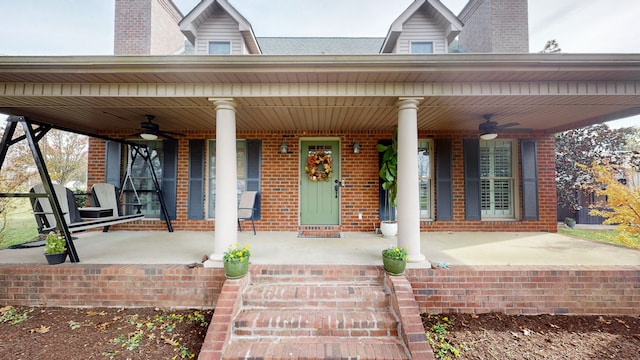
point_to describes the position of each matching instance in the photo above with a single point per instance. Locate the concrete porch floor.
(459, 248)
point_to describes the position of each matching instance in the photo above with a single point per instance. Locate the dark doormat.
(319, 231)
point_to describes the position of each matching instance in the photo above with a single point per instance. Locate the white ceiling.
(542, 92)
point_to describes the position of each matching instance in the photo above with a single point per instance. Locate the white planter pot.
(389, 228)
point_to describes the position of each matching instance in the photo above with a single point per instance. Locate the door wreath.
(318, 167)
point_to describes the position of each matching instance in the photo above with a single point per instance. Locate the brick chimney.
(495, 26)
(147, 27)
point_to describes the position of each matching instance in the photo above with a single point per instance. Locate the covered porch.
(285, 248)
(213, 101)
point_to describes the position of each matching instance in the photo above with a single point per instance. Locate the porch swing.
(99, 190)
(135, 150)
(56, 212)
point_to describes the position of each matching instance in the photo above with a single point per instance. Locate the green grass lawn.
(21, 226)
(605, 236)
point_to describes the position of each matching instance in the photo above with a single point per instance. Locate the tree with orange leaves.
(622, 206)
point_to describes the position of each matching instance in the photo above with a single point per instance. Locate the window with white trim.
(497, 179)
(241, 170)
(142, 195)
(219, 47)
(422, 47)
(425, 177)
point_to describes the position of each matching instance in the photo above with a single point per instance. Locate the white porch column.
(408, 188)
(226, 232)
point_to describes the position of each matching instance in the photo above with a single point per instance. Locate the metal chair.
(246, 208)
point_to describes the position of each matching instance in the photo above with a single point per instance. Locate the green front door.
(319, 176)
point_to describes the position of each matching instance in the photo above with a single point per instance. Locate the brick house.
(250, 112)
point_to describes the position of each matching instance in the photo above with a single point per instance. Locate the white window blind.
(497, 182)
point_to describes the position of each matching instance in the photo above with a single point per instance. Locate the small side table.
(95, 212)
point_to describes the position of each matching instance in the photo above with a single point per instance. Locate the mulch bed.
(499, 336)
(101, 333)
(112, 333)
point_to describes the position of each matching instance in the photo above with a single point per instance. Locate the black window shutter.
(444, 181)
(472, 205)
(529, 152)
(254, 153)
(113, 158)
(195, 206)
(169, 172)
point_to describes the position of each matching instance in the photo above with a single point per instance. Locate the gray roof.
(331, 46)
(319, 45)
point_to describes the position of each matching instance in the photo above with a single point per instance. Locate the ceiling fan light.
(488, 136)
(148, 136)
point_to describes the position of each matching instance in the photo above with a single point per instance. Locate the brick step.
(311, 348)
(279, 322)
(315, 296)
(317, 273)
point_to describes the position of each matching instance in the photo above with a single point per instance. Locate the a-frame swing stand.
(33, 132)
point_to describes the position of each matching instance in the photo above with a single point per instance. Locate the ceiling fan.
(489, 129)
(151, 130)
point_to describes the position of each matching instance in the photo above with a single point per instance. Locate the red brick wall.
(132, 29)
(147, 27)
(280, 179)
(95, 161)
(495, 26)
(528, 289)
(166, 37)
(607, 290)
(78, 285)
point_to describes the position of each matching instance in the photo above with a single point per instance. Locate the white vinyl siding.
(421, 27)
(220, 27)
(425, 178)
(497, 179)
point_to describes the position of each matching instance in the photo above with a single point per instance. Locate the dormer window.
(422, 47)
(219, 47)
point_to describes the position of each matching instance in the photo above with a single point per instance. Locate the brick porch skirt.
(608, 290)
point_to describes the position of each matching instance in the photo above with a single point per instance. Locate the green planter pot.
(235, 269)
(393, 266)
(54, 259)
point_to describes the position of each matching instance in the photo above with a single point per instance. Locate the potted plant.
(571, 222)
(394, 260)
(236, 261)
(55, 249)
(388, 174)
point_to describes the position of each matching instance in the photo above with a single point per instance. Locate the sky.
(85, 27)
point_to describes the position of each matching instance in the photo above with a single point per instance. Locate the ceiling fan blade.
(167, 137)
(488, 126)
(507, 125)
(149, 127)
(171, 132)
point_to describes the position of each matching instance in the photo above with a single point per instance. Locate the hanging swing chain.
(133, 153)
